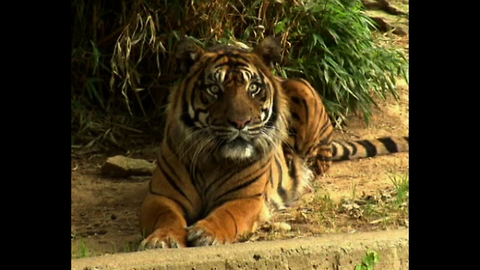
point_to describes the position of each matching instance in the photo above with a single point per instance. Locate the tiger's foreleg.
(228, 222)
(163, 222)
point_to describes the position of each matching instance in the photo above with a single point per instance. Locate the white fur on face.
(236, 152)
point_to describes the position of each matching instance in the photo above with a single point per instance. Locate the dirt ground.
(104, 211)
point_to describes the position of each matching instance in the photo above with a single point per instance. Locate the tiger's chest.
(268, 178)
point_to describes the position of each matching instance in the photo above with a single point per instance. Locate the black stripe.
(187, 101)
(296, 117)
(226, 178)
(194, 182)
(239, 187)
(218, 57)
(232, 64)
(234, 221)
(354, 148)
(346, 152)
(327, 140)
(293, 171)
(221, 202)
(318, 104)
(261, 170)
(197, 113)
(295, 100)
(170, 179)
(199, 176)
(389, 144)
(321, 115)
(281, 191)
(275, 204)
(307, 110)
(170, 145)
(186, 117)
(271, 176)
(369, 146)
(250, 73)
(320, 129)
(293, 176)
(322, 158)
(193, 91)
(313, 92)
(325, 126)
(334, 150)
(229, 54)
(264, 88)
(220, 179)
(238, 56)
(273, 118)
(158, 194)
(204, 98)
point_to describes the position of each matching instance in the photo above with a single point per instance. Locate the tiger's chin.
(237, 152)
(238, 149)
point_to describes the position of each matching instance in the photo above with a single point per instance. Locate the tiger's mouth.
(234, 135)
(237, 145)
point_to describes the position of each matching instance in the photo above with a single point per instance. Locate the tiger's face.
(231, 99)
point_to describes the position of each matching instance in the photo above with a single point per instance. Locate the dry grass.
(319, 214)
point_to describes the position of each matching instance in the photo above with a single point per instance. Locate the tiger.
(239, 143)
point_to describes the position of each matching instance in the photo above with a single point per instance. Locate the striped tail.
(347, 150)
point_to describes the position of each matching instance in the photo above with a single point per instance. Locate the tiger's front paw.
(204, 233)
(162, 238)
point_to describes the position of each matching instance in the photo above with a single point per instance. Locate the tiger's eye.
(213, 90)
(254, 89)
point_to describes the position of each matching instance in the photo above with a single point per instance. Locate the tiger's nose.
(239, 123)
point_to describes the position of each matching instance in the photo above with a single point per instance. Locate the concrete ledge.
(336, 252)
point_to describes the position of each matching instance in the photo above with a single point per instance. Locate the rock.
(277, 226)
(383, 5)
(399, 31)
(121, 166)
(282, 226)
(385, 26)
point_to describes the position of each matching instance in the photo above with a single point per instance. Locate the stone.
(121, 166)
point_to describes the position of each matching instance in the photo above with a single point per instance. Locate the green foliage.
(402, 187)
(81, 250)
(122, 53)
(336, 51)
(368, 261)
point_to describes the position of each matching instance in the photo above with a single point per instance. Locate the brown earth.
(104, 211)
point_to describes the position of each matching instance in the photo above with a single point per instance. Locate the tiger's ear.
(187, 53)
(269, 50)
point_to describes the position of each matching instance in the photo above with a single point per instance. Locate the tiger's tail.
(347, 150)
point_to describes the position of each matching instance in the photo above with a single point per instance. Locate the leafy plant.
(81, 250)
(402, 187)
(368, 261)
